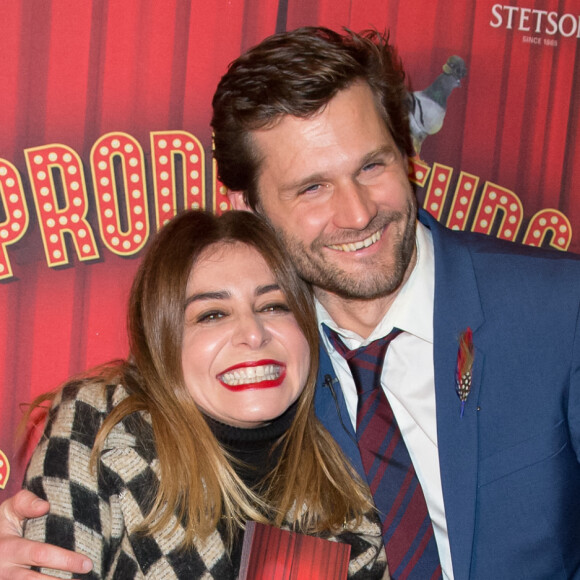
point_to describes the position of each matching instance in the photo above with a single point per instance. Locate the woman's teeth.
(247, 375)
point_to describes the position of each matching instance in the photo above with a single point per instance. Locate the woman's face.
(244, 358)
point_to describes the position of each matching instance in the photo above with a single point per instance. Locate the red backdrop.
(129, 75)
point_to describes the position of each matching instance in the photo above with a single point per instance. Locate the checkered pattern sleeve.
(368, 560)
(84, 508)
(98, 514)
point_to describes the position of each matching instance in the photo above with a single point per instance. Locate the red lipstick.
(242, 376)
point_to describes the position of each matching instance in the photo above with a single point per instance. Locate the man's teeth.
(243, 376)
(354, 246)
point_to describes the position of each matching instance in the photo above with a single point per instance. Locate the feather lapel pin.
(464, 367)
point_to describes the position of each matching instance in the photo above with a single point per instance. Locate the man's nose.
(353, 206)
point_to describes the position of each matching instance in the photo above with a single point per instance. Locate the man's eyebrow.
(384, 150)
(300, 183)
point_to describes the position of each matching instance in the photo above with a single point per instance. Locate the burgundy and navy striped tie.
(407, 529)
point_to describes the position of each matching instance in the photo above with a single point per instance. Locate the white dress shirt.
(407, 379)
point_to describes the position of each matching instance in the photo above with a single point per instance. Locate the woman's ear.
(236, 199)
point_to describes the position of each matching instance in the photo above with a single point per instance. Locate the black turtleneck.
(253, 446)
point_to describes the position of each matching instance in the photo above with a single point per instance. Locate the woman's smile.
(263, 374)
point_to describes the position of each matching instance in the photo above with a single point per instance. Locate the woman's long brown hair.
(197, 482)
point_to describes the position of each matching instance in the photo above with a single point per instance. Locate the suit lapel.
(457, 306)
(331, 410)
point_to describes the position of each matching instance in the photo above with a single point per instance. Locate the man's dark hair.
(297, 73)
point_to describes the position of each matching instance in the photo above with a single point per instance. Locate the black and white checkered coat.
(97, 514)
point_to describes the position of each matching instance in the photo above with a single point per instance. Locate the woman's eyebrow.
(217, 295)
(224, 294)
(261, 290)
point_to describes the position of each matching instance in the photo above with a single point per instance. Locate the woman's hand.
(17, 554)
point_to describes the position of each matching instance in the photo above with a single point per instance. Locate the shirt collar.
(412, 309)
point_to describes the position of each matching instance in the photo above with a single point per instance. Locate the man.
(311, 132)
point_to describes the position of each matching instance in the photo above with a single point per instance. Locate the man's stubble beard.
(314, 268)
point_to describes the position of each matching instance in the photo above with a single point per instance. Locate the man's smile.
(355, 246)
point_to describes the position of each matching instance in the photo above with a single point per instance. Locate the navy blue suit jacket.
(510, 467)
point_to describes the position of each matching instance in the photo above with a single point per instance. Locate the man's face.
(335, 188)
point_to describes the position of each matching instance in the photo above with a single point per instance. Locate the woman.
(153, 465)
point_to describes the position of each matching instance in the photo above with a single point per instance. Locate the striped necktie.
(407, 529)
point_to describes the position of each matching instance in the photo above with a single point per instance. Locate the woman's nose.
(251, 331)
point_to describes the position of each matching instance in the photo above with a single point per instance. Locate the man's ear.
(236, 199)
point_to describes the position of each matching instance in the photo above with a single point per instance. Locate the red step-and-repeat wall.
(104, 134)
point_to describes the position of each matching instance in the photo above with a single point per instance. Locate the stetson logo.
(535, 21)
